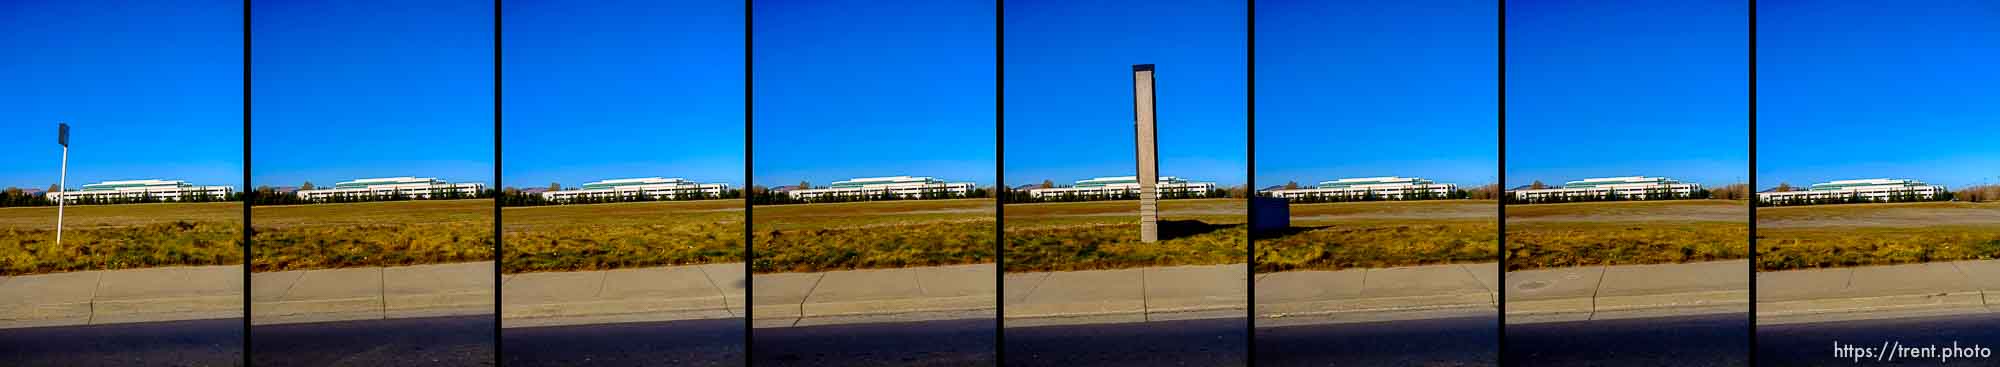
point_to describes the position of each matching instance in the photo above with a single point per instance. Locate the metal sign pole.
(62, 183)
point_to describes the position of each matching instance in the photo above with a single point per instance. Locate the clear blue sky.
(1377, 88)
(1877, 89)
(1624, 88)
(853, 88)
(618, 89)
(372, 88)
(150, 89)
(1069, 88)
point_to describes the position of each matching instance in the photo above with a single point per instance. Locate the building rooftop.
(632, 181)
(1841, 184)
(114, 185)
(1346, 182)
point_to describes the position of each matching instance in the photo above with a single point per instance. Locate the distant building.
(1124, 185)
(164, 190)
(651, 187)
(1627, 188)
(1386, 188)
(907, 187)
(411, 187)
(1876, 189)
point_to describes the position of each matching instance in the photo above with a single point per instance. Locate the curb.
(1887, 291)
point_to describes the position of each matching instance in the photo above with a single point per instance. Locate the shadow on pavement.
(1469, 341)
(436, 341)
(928, 343)
(1709, 340)
(216, 342)
(668, 343)
(1212, 342)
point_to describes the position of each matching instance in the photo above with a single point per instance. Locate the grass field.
(1626, 232)
(621, 235)
(1331, 236)
(876, 234)
(1105, 235)
(389, 233)
(98, 237)
(1820, 236)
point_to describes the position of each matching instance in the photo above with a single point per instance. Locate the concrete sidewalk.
(1873, 292)
(1627, 291)
(1127, 295)
(875, 295)
(371, 293)
(121, 296)
(1384, 294)
(710, 291)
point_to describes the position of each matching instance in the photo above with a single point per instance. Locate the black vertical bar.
(1000, 181)
(497, 184)
(247, 190)
(1250, 181)
(1501, 136)
(1751, 190)
(749, 253)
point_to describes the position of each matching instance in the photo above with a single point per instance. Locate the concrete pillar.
(1149, 153)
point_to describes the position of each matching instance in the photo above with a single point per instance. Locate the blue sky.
(1377, 88)
(375, 88)
(150, 90)
(1069, 88)
(855, 88)
(1624, 88)
(617, 89)
(1832, 74)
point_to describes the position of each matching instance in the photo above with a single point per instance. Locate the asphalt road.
(175, 343)
(1711, 340)
(1813, 344)
(1469, 341)
(1215, 342)
(927, 343)
(672, 343)
(437, 341)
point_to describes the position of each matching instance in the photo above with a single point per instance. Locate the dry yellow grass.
(390, 233)
(105, 237)
(875, 234)
(1626, 232)
(1105, 235)
(1821, 236)
(1334, 236)
(621, 235)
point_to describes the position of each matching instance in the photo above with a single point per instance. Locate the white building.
(1124, 185)
(1877, 189)
(1628, 188)
(651, 187)
(1387, 188)
(164, 190)
(411, 187)
(907, 187)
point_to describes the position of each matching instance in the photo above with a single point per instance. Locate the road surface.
(175, 343)
(1813, 344)
(436, 341)
(1469, 341)
(1214, 342)
(1708, 340)
(671, 343)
